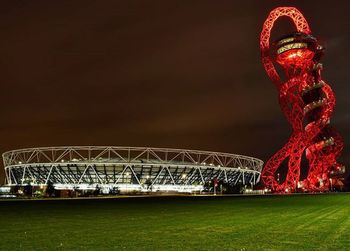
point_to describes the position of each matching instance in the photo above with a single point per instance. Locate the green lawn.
(300, 222)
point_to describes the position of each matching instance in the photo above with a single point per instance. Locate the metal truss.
(128, 168)
(301, 25)
(306, 101)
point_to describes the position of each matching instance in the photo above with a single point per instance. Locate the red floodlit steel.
(307, 102)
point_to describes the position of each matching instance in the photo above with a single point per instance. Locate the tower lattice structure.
(307, 102)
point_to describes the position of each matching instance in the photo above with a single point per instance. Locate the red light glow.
(307, 102)
(296, 57)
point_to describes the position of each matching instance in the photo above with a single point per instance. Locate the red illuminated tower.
(306, 101)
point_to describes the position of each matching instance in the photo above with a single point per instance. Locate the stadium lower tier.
(125, 177)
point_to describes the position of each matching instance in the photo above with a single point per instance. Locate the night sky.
(181, 74)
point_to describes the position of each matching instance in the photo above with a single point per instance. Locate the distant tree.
(113, 191)
(234, 189)
(50, 190)
(28, 190)
(207, 186)
(148, 182)
(347, 183)
(14, 189)
(97, 190)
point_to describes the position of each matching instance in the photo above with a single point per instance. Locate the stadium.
(127, 169)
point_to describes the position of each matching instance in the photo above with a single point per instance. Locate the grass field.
(301, 222)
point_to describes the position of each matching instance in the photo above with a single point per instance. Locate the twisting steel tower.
(306, 101)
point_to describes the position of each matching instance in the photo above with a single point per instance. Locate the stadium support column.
(137, 179)
(24, 174)
(200, 173)
(7, 180)
(226, 180)
(49, 174)
(12, 176)
(170, 175)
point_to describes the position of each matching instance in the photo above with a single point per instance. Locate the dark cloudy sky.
(184, 74)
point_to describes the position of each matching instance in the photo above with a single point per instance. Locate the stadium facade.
(141, 169)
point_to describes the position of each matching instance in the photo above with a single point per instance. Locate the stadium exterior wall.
(141, 169)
